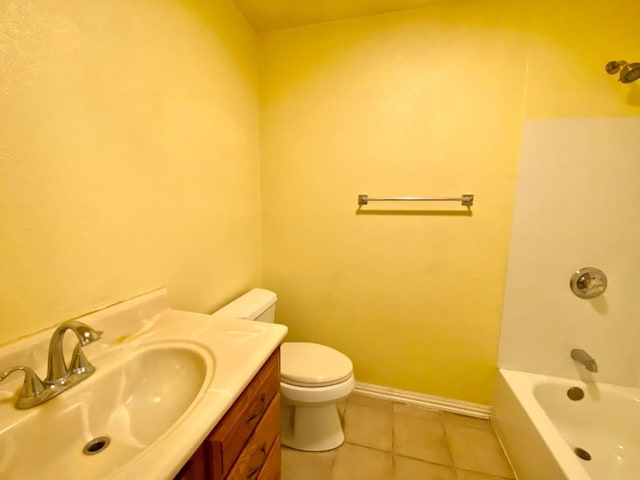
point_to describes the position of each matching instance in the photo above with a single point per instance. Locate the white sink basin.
(135, 397)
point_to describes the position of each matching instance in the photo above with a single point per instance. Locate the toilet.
(313, 378)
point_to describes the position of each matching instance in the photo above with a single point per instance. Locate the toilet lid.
(312, 364)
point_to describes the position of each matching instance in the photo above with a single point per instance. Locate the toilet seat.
(316, 396)
(312, 365)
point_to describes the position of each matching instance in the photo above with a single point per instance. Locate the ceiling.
(274, 14)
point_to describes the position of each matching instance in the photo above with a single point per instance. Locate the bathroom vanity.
(174, 395)
(246, 442)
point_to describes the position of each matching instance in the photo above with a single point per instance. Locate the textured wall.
(428, 101)
(128, 156)
(423, 102)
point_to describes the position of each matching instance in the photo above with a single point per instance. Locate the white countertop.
(236, 350)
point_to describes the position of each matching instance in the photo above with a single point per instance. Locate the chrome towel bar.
(466, 199)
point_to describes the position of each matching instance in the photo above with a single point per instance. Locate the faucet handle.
(32, 385)
(79, 362)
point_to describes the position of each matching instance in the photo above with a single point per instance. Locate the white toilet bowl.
(313, 378)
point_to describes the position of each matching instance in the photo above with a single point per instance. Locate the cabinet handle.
(256, 469)
(261, 409)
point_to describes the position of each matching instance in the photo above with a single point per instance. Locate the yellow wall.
(129, 160)
(571, 42)
(423, 102)
(128, 156)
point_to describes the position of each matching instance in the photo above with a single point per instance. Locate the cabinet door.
(196, 467)
(255, 455)
(271, 468)
(230, 435)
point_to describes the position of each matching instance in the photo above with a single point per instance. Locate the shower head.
(629, 72)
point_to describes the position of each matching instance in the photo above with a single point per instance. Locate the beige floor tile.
(371, 402)
(297, 465)
(420, 437)
(477, 450)
(466, 475)
(368, 427)
(466, 421)
(417, 411)
(360, 463)
(411, 469)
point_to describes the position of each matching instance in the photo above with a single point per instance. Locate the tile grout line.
(465, 469)
(448, 442)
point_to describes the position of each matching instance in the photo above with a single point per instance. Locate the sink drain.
(96, 445)
(575, 393)
(582, 453)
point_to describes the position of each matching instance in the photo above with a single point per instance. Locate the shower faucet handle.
(588, 282)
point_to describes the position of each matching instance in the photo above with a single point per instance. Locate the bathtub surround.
(575, 207)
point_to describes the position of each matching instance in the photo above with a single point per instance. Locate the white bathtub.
(540, 427)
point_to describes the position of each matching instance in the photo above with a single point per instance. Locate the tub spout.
(585, 359)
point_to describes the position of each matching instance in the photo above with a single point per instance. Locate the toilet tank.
(257, 304)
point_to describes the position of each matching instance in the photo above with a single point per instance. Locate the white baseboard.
(423, 400)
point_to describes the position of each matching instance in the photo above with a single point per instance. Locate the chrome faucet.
(57, 371)
(585, 359)
(59, 376)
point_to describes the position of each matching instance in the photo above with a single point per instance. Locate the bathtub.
(540, 428)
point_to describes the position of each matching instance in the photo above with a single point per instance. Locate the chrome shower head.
(629, 72)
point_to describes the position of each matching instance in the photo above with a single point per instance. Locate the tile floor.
(392, 441)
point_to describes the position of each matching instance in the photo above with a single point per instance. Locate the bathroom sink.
(137, 395)
(164, 378)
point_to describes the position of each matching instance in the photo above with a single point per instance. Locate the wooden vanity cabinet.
(245, 444)
(271, 468)
(196, 467)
